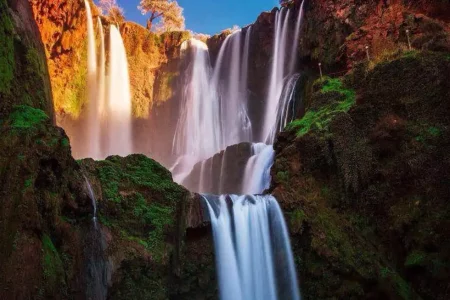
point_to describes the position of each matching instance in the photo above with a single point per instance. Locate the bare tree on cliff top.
(114, 11)
(166, 15)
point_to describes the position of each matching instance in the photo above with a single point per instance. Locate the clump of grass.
(320, 119)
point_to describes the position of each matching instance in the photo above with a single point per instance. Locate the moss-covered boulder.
(364, 188)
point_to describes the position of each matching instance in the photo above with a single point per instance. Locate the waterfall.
(253, 253)
(257, 171)
(118, 120)
(92, 128)
(285, 111)
(101, 73)
(96, 266)
(94, 201)
(198, 131)
(282, 58)
(230, 77)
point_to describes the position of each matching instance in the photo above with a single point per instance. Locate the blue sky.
(209, 16)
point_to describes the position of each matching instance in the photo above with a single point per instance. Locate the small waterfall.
(118, 120)
(92, 128)
(96, 267)
(253, 253)
(197, 135)
(93, 199)
(257, 171)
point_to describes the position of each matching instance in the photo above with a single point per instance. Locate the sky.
(209, 16)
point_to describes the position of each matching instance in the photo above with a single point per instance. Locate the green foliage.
(28, 183)
(426, 132)
(25, 117)
(320, 119)
(158, 217)
(402, 288)
(65, 142)
(140, 200)
(51, 264)
(6, 49)
(415, 258)
(282, 177)
(110, 177)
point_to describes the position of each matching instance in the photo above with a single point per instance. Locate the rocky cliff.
(64, 32)
(50, 247)
(364, 177)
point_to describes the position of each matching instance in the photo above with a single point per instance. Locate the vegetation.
(113, 10)
(6, 49)
(52, 265)
(25, 117)
(140, 201)
(321, 117)
(165, 15)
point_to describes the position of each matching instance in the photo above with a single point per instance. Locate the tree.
(167, 15)
(286, 3)
(112, 9)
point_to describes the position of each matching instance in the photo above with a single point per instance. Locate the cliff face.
(22, 61)
(64, 32)
(363, 180)
(50, 248)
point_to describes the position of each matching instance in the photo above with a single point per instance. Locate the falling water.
(101, 72)
(97, 269)
(93, 124)
(253, 253)
(296, 38)
(281, 59)
(94, 201)
(257, 171)
(230, 77)
(285, 111)
(197, 135)
(119, 98)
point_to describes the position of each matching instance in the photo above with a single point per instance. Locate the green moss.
(158, 217)
(282, 177)
(297, 217)
(320, 119)
(52, 265)
(7, 64)
(402, 288)
(415, 258)
(425, 133)
(110, 178)
(65, 142)
(25, 117)
(28, 183)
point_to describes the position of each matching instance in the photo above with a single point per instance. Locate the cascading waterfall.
(118, 119)
(230, 77)
(282, 57)
(253, 252)
(257, 170)
(93, 122)
(280, 100)
(198, 131)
